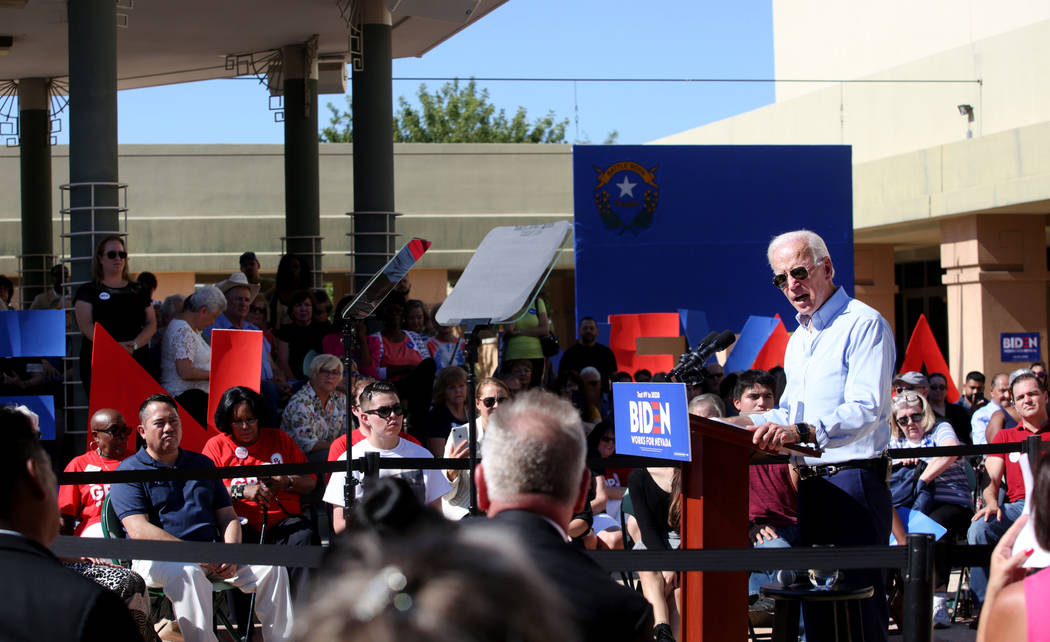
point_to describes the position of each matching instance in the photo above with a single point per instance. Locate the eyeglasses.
(257, 309)
(907, 419)
(800, 273)
(902, 389)
(116, 430)
(492, 401)
(334, 372)
(384, 412)
(244, 423)
(112, 254)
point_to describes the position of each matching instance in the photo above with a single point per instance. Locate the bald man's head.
(106, 417)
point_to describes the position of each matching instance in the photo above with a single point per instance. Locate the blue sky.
(623, 39)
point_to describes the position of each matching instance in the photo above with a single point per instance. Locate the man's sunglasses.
(384, 412)
(256, 309)
(112, 254)
(800, 273)
(492, 401)
(116, 430)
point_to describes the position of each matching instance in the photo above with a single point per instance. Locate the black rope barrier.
(426, 463)
(728, 559)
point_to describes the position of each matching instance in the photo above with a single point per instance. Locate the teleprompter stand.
(498, 285)
(363, 306)
(715, 515)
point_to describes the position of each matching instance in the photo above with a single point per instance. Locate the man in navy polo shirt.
(193, 510)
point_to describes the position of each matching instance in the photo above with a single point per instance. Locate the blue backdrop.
(661, 227)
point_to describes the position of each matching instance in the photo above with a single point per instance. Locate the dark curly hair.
(234, 397)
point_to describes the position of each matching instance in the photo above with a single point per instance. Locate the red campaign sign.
(119, 382)
(923, 351)
(236, 360)
(624, 331)
(772, 353)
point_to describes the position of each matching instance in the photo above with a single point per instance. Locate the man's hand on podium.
(770, 436)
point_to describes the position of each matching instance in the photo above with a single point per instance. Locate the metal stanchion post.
(918, 589)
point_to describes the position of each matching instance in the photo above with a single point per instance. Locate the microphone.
(690, 368)
(687, 360)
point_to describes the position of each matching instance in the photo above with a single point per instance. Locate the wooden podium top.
(733, 434)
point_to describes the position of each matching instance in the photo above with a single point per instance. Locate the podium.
(714, 515)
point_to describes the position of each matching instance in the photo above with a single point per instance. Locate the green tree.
(340, 126)
(454, 114)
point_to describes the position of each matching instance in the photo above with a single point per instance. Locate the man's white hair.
(590, 371)
(818, 250)
(534, 445)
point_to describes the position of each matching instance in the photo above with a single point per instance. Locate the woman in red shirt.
(244, 442)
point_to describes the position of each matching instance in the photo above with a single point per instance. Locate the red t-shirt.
(272, 447)
(772, 499)
(617, 477)
(1012, 470)
(84, 502)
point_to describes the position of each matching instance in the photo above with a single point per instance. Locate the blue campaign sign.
(32, 333)
(652, 420)
(1020, 346)
(42, 405)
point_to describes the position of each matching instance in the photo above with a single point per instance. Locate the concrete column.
(302, 210)
(373, 107)
(873, 278)
(92, 128)
(35, 167)
(92, 38)
(996, 276)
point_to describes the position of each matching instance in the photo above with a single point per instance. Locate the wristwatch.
(804, 433)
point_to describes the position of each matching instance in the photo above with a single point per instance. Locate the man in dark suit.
(531, 481)
(42, 600)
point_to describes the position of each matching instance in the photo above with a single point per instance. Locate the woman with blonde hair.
(121, 306)
(935, 486)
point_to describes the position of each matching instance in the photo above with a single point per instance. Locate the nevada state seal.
(626, 196)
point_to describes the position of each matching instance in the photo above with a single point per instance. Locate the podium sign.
(652, 420)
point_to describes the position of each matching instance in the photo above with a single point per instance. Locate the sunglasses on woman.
(800, 273)
(112, 254)
(115, 430)
(384, 412)
(256, 309)
(910, 419)
(492, 401)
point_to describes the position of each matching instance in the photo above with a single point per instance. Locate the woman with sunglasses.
(941, 490)
(316, 414)
(489, 394)
(81, 504)
(111, 299)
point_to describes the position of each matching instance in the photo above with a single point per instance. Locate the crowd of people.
(536, 425)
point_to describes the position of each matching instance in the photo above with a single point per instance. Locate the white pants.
(189, 590)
